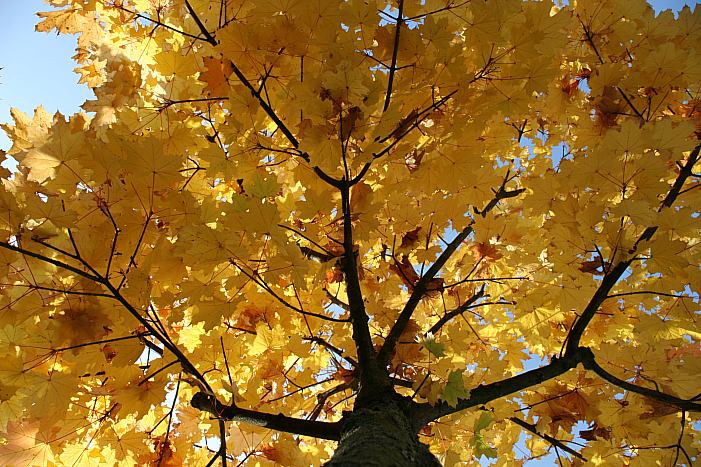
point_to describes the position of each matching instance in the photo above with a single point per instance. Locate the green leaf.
(262, 187)
(482, 448)
(480, 445)
(429, 342)
(483, 422)
(454, 389)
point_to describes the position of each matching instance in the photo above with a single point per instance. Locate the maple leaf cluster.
(271, 209)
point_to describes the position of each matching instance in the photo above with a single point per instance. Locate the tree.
(283, 225)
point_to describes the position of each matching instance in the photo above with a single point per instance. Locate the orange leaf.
(217, 74)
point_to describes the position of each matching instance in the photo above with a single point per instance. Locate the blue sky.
(36, 67)
(37, 70)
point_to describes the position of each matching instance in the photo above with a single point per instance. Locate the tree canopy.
(477, 222)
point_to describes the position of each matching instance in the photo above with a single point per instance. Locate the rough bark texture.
(381, 434)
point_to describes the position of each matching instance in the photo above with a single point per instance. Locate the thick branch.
(262, 101)
(315, 429)
(424, 413)
(416, 295)
(613, 276)
(164, 340)
(422, 285)
(404, 127)
(610, 279)
(373, 378)
(589, 362)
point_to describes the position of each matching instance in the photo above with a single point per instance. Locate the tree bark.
(380, 434)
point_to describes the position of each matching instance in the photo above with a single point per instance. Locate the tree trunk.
(380, 434)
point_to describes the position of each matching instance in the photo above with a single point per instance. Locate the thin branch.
(590, 40)
(404, 383)
(208, 36)
(554, 441)
(104, 341)
(262, 284)
(159, 23)
(336, 301)
(169, 415)
(61, 291)
(46, 259)
(486, 279)
(226, 362)
(298, 388)
(283, 226)
(262, 101)
(167, 102)
(630, 104)
(669, 446)
(459, 311)
(648, 292)
(115, 238)
(164, 340)
(152, 315)
(222, 442)
(527, 407)
(499, 195)
(73, 242)
(466, 305)
(132, 258)
(448, 7)
(395, 52)
(331, 348)
(160, 370)
(404, 127)
(680, 448)
(324, 396)
(55, 248)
